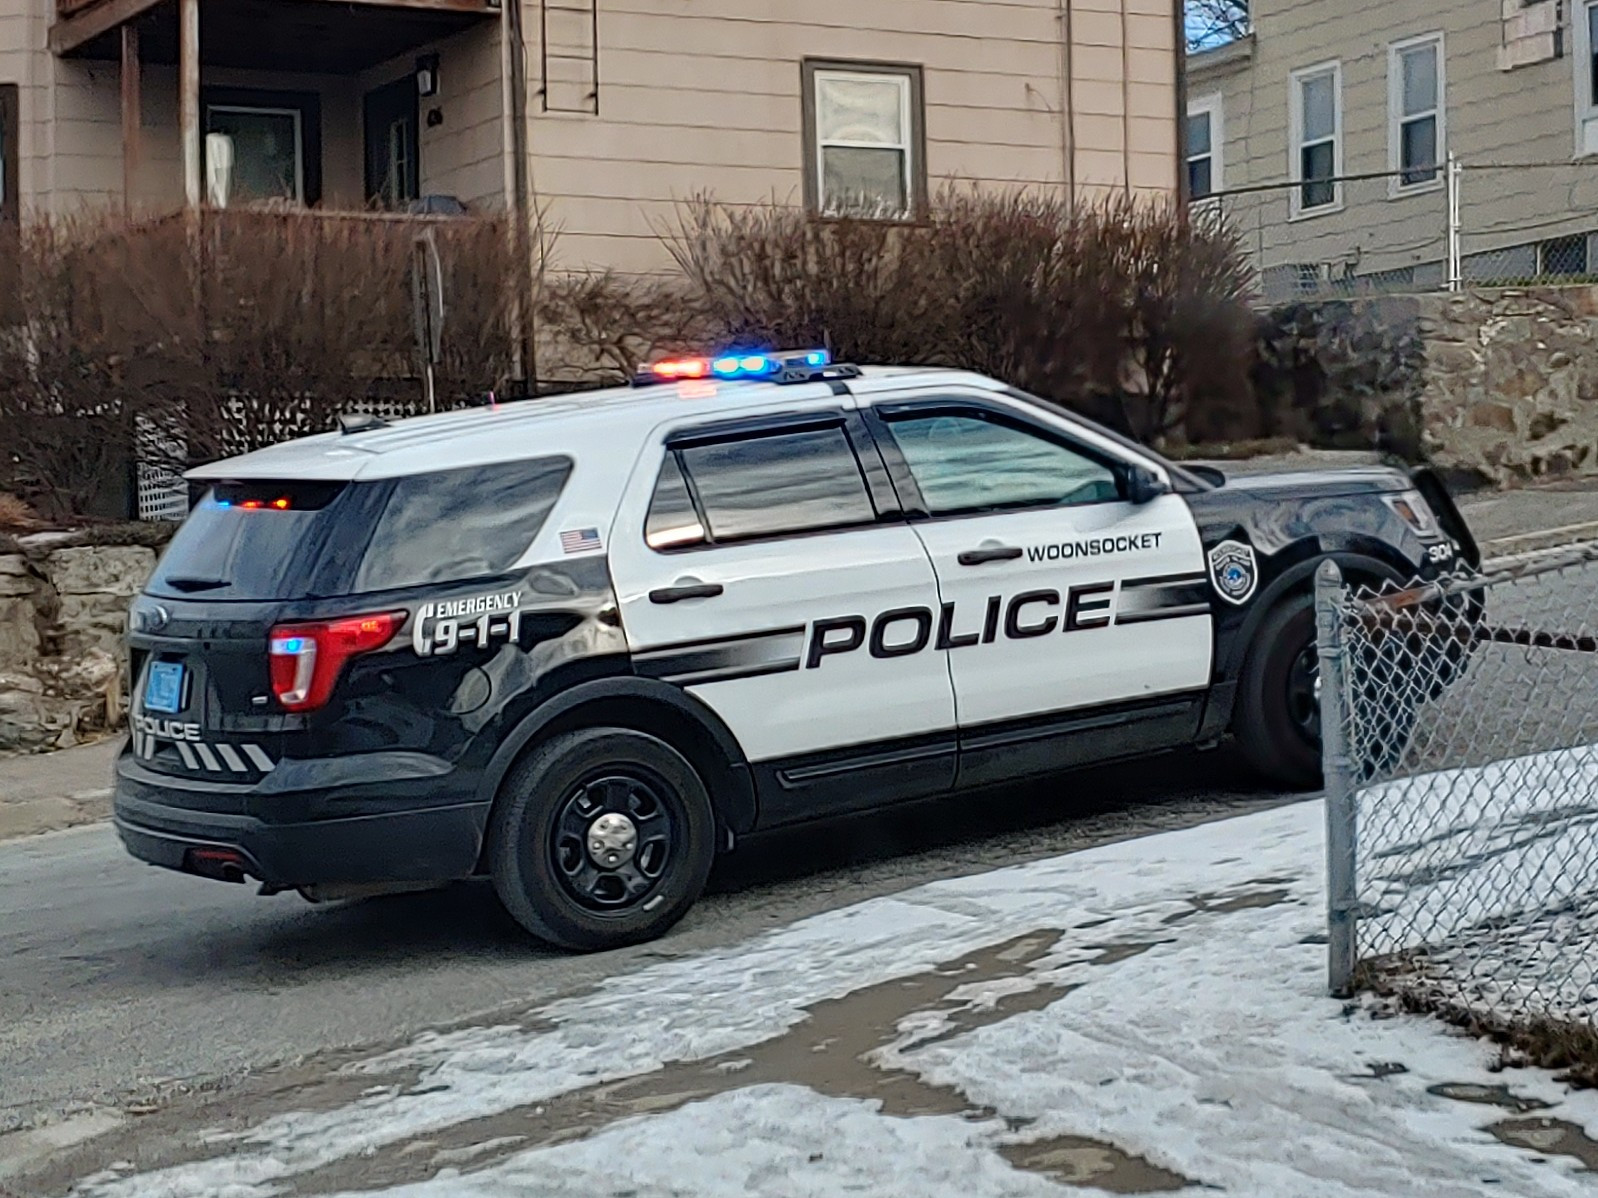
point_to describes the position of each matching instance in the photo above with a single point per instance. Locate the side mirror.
(1144, 486)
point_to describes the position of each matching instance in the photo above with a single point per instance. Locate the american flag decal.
(580, 540)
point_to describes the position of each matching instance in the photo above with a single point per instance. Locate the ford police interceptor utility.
(580, 644)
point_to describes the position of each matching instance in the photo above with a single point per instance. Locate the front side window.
(966, 463)
(776, 484)
(863, 139)
(1415, 73)
(1316, 137)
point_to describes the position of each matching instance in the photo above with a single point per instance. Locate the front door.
(392, 145)
(1061, 598)
(771, 584)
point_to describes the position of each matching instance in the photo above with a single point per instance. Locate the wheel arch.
(1360, 565)
(643, 705)
(1357, 567)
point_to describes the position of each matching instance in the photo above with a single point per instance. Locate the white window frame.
(1586, 101)
(299, 135)
(1396, 117)
(1211, 106)
(906, 145)
(1295, 109)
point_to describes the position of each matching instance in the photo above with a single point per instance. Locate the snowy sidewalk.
(1145, 1017)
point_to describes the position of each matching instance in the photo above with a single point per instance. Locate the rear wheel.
(601, 838)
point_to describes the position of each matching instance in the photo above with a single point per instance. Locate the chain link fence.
(1464, 224)
(1461, 742)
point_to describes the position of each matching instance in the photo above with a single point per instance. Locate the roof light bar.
(788, 367)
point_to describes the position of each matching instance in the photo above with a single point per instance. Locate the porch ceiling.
(319, 36)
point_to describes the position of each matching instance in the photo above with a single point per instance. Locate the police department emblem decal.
(1234, 571)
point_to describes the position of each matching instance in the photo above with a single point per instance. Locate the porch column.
(132, 114)
(189, 98)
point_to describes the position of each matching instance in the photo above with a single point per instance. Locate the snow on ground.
(1494, 870)
(1139, 1017)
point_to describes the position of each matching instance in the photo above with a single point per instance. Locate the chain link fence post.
(1338, 776)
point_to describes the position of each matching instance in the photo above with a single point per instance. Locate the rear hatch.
(210, 677)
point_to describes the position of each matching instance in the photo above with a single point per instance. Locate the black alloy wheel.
(612, 840)
(600, 838)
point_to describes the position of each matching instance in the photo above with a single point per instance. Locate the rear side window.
(459, 524)
(774, 485)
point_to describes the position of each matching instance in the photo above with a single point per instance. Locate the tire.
(1277, 724)
(553, 802)
(1278, 743)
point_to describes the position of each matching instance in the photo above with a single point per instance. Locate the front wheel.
(1278, 721)
(1278, 715)
(601, 838)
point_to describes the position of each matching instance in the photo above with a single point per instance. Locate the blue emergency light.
(787, 367)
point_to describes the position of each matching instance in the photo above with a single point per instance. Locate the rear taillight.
(306, 659)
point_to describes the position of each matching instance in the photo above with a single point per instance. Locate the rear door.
(766, 569)
(1070, 606)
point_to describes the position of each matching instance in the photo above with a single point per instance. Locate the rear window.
(295, 539)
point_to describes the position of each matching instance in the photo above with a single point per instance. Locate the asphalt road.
(120, 983)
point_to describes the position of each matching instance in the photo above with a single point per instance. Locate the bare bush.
(191, 339)
(225, 333)
(1130, 313)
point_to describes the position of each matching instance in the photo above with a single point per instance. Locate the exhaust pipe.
(224, 865)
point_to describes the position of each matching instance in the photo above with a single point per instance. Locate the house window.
(1205, 135)
(1562, 256)
(268, 151)
(1316, 110)
(1415, 110)
(864, 139)
(1586, 56)
(1590, 59)
(277, 142)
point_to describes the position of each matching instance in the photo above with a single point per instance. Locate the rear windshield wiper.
(186, 585)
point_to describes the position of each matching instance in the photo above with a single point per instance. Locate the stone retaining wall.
(63, 606)
(1510, 388)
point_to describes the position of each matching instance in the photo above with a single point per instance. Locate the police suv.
(581, 644)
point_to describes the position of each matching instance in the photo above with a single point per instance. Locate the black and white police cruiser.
(579, 645)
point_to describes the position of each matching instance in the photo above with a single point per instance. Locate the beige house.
(600, 112)
(1325, 134)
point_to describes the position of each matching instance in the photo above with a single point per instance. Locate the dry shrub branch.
(191, 340)
(202, 338)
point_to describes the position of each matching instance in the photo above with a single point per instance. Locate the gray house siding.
(1495, 115)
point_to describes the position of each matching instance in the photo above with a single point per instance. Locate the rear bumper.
(414, 832)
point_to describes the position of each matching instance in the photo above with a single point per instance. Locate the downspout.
(1180, 26)
(1126, 105)
(1063, 24)
(513, 68)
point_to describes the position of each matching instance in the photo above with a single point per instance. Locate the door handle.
(694, 590)
(994, 553)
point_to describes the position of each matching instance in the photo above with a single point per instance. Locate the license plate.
(163, 687)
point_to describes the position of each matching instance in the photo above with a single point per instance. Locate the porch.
(371, 104)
